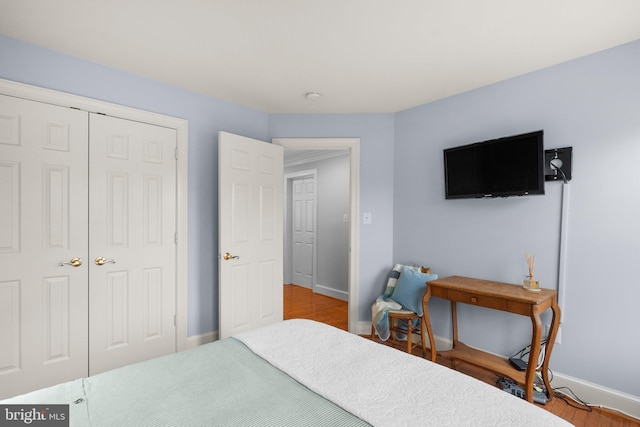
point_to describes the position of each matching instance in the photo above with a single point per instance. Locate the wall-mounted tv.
(509, 166)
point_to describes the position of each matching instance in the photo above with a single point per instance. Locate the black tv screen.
(510, 166)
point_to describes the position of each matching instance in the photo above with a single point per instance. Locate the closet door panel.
(10, 212)
(132, 228)
(43, 226)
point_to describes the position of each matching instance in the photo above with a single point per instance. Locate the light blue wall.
(591, 104)
(26, 63)
(376, 184)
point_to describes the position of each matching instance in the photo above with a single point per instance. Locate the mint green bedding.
(218, 384)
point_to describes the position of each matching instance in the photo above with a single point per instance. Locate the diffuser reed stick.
(531, 262)
(530, 283)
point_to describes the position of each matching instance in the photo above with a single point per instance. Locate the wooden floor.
(301, 303)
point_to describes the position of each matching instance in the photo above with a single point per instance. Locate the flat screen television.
(509, 166)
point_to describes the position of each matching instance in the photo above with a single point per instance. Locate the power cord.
(558, 168)
(525, 352)
(569, 396)
(563, 393)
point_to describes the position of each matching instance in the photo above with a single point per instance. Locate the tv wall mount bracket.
(557, 164)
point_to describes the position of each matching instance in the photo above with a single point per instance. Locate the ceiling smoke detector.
(313, 96)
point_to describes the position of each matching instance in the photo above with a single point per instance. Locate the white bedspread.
(384, 386)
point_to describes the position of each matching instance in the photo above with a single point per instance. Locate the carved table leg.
(551, 339)
(426, 322)
(536, 336)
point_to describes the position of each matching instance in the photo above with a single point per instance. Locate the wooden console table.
(498, 296)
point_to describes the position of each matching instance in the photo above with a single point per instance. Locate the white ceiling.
(363, 56)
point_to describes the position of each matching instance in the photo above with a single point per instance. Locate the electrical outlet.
(366, 218)
(545, 332)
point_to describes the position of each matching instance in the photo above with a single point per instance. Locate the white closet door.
(43, 222)
(132, 214)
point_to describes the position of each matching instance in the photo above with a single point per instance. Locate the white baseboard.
(198, 340)
(594, 394)
(364, 328)
(598, 395)
(331, 292)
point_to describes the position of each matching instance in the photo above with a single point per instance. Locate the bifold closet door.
(43, 245)
(132, 199)
(87, 243)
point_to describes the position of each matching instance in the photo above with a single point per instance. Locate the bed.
(293, 373)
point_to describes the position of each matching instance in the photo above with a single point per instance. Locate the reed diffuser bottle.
(530, 283)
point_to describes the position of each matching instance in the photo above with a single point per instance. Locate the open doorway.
(325, 149)
(301, 228)
(316, 229)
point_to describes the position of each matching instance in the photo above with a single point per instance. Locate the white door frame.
(287, 220)
(353, 145)
(35, 93)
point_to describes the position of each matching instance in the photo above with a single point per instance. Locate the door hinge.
(176, 153)
(175, 320)
(175, 237)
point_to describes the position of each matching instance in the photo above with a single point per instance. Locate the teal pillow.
(410, 289)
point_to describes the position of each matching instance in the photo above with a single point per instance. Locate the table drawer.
(480, 300)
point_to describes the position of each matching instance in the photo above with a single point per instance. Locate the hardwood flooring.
(302, 303)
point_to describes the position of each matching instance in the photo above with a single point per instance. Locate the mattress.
(293, 373)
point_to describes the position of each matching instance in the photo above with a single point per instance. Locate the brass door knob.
(73, 262)
(227, 256)
(102, 261)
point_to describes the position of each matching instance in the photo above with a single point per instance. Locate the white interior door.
(250, 233)
(43, 222)
(303, 224)
(132, 210)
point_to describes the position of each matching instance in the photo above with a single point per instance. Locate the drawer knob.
(474, 300)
